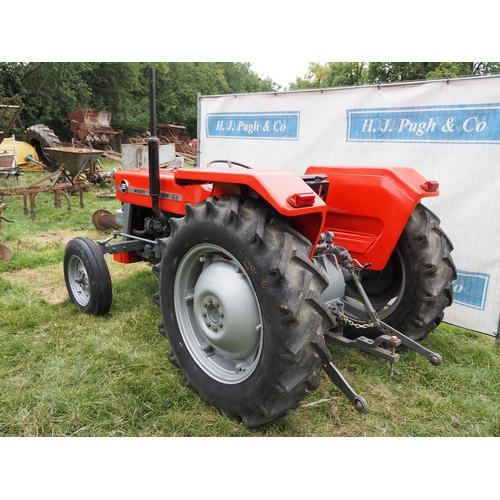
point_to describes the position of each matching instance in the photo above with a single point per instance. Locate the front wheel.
(241, 305)
(87, 277)
(413, 290)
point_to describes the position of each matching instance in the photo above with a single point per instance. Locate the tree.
(457, 69)
(122, 89)
(388, 72)
(242, 79)
(12, 89)
(332, 74)
(315, 78)
(178, 84)
(340, 74)
(11, 79)
(177, 89)
(346, 74)
(51, 90)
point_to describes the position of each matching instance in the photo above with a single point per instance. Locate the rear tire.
(41, 137)
(241, 306)
(412, 291)
(87, 277)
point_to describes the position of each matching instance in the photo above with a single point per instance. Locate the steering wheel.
(229, 164)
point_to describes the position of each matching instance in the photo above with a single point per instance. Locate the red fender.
(368, 208)
(276, 187)
(192, 185)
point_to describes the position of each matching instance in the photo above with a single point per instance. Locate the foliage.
(12, 75)
(51, 90)
(386, 72)
(457, 69)
(340, 74)
(332, 74)
(122, 89)
(241, 79)
(315, 78)
(180, 86)
(383, 72)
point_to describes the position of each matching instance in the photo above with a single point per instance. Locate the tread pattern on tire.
(430, 270)
(101, 293)
(40, 137)
(289, 289)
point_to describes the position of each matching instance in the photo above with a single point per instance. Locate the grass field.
(63, 373)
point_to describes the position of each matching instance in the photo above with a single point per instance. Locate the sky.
(282, 73)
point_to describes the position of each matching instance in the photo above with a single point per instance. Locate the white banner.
(448, 130)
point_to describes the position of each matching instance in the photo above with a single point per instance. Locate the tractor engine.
(153, 227)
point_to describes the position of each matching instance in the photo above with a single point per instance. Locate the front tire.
(413, 290)
(87, 277)
(241, 306)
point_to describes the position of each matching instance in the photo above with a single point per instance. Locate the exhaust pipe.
(154, 150)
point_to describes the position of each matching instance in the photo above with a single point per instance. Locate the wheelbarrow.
(76, 160)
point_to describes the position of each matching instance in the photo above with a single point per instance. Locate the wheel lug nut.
(204, 314)
(214, 328)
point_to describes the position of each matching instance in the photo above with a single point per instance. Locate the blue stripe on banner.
(471, 289)
(282, 125)
(462, 124)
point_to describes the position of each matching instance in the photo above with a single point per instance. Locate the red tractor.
(257, 268)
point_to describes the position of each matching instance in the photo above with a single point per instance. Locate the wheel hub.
(78, 280)
(218, 313)
(82, 279)
(213, 313)
(225, 310)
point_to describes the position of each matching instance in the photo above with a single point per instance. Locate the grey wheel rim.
(386, 304)
(218, 313)
(384, 298)
(78, 280)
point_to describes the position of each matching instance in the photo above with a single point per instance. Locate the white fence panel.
(448, 130)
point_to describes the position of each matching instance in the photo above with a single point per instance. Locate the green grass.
(63, 373)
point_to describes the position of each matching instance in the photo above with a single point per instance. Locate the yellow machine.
(28, 154)
(19, 154)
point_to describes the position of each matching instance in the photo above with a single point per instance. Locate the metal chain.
(358, 325)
